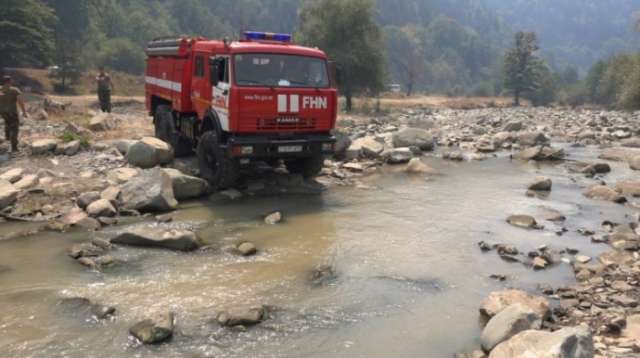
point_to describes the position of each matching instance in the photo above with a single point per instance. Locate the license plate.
(290, 149)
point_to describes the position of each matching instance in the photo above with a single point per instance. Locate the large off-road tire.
(221, 172)
(308, 167)
(165, 130)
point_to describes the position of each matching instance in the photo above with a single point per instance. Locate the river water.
(409, 275)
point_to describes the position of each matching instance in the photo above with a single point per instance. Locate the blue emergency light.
(266, 36)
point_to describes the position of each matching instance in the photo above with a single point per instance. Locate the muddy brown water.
(410, 276)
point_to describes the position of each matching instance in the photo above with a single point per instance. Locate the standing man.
(10, 99)
(105, 86)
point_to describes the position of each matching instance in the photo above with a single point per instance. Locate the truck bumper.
(259, 147)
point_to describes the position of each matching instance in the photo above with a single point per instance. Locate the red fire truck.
(234, 102)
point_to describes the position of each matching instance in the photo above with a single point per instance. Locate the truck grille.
(286, 123)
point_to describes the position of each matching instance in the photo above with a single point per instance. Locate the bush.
(122, 55)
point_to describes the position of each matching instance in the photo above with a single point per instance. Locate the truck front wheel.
(215, 167)
(307, 167)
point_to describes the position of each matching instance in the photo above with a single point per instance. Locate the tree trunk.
(516, 99)
(349, 104)
(409, 89)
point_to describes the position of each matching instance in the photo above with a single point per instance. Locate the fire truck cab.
(234, 102)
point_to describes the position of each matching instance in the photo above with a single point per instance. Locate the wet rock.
(27, 181)
(12, 175)
(554, 215)
(186, 187)
(454, 156)
(102, 122)
(101, 208)
(83, 307)
(485, 146)
(413, 137)
(541, 153)
(247, 249)
(400, 156)
(582, 259)
(541, 184)
(150, 152)
(85, 250)
(602, 192)
(89, 223)
(619, 154)
(506, 324)
(85, 199)
(596, 168)
(246, 318)
(631, 188)
(573, 342)
(181, 240)
(101, 243)
(323, 275)
(88, 263)
(539, 263)
(8, 194)
(499, 300)
(154, 330)
(523, 221)
(228, 194)
(370, 147)
(150, 191)
(43, 146)
(273, 218)
(74, 216)
(416, 166)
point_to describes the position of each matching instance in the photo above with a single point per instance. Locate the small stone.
(154, 330)
(247, 249)
(523, 221)
(245, 318)
(582, 259)
(541, 184)
(273, 218)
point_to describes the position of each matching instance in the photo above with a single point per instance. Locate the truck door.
(221, 88)
(200, 88)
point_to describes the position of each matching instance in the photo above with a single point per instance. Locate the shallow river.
(410, 276)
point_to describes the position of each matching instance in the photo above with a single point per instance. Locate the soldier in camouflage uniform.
(10, 99)
(105, 86)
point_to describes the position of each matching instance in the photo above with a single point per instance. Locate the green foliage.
(122, 55)
(68, 137)
(525, 74)
(406, 56)
(347, 31)
(26, 33)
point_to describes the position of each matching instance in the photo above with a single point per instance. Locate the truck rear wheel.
(307, 167)
(215, 167)
(165, 130)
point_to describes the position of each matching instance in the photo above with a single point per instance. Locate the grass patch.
(68, 137)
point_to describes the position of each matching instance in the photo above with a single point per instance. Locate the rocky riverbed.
(116, 194)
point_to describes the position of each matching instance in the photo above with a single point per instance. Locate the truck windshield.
(274, 70)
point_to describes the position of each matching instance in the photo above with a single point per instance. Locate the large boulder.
(619, 154)
(101, 208)
(603, 192)
(85, 199)
(43, 146)
(150, 152)
(571, 342)
(634, 162)
(102, 122)
(499, 300)
(8, 194)
(366, 146)
(181, 240)
(540, 153)
(122, 175)
(150, 191)
(506, 324)
(12, 175)
(184, 186)
(413, 137)
(399, 156)
(154, 330)
(629, 188)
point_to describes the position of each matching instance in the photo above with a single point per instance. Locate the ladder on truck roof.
(169, 46)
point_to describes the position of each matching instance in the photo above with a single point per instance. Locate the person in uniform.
(105, 86)
(10, 99)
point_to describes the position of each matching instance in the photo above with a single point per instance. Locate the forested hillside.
(439, 46)
(574, 32)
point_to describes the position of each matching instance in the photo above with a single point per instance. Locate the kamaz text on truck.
(235, 102)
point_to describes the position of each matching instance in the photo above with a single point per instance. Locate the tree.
(26, 36)
(70, 34)
(347, 31)
(406, 57)
(522, 66)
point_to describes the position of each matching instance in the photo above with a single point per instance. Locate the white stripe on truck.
(282, 103)
(172, 86)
